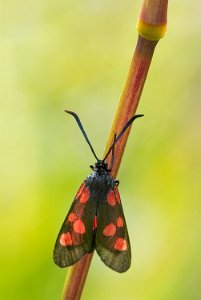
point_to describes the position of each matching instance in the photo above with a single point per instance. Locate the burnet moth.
(96, 219)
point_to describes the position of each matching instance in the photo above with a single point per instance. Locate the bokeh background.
(57, 55)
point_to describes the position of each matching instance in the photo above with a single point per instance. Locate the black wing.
(75, 238)
(112, 240)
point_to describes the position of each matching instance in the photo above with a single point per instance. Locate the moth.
(96, 219)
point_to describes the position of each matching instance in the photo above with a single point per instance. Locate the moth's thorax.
(100, 180)
(100, 183)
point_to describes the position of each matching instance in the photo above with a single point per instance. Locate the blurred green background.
(58, 55)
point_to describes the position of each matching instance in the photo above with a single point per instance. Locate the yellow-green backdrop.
(57, 55)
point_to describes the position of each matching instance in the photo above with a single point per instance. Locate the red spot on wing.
(117, 195)
(111, 198)
(80, 190)
(95, 223)
(109, 230)
(66, 239)
(78, 226)
(84, 197)
(71, 217)
(120, 244)
(120, 222)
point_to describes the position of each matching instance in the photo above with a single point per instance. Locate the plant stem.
(151, 27)
(76, 278)
(130, 97)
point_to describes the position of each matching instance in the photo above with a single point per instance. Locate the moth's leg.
(117, 182)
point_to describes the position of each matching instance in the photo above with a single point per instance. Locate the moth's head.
(100, 165)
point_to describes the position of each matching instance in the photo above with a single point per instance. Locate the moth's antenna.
(122, 132)
(83, 131)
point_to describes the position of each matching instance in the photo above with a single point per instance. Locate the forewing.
(112, 240)
(76, 235)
